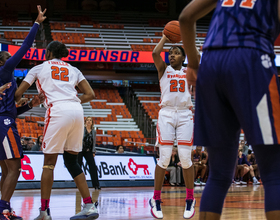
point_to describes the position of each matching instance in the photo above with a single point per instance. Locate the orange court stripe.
(13, 143)
(275, 101)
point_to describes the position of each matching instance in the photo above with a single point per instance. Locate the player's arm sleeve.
(12, 62)
(80, 75)
(23, 109)
(32, 74)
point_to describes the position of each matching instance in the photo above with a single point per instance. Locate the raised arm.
(12, 62)
(159, 63)
(87, 90)
(188, 17)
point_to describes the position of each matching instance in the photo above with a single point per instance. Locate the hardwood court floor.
(242, 203)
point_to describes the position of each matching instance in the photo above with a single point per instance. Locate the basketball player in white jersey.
(174, 120)
(64, 123)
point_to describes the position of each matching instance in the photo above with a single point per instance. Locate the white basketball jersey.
(174, 89)
(57, 80)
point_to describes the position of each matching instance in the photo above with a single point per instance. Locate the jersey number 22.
(60, 73)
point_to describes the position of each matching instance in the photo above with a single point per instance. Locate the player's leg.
(92, 169)
(184, 134)
(219, 180)
(4, 170)
(269, 166)
(47, 179)
(72, 147)
(165, 139)
(10, 156)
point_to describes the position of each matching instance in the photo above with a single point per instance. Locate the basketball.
(172, 31)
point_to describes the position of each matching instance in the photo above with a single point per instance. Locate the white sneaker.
(156, 208)
(89, 212)
(197, 183)
(202, 183)
(189, 210)
(256, 183)
(44, 215)
(237, 182)
(243, 183)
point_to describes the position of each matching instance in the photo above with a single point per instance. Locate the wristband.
(37, 22)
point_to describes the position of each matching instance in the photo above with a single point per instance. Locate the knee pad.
(165, 152)
(185, 156)
(71, 163)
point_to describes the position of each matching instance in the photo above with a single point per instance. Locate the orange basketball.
(172, 31)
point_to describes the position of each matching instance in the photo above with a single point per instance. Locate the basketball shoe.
(44, 215)
(189, 210)
(156, 208)
(13, 216)
(89, 212)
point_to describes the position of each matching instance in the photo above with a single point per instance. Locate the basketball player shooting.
(174, 119)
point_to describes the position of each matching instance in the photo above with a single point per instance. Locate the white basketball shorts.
(173, 123)
(64, 127)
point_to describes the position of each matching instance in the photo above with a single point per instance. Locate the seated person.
(174, 168)
(119, 149)
(243, 167)
(255, 170)
(38, 145)
(199, 160)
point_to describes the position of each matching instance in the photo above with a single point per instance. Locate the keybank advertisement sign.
(110, 167)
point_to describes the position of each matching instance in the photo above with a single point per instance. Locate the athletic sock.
(45, 204)
(189, 194)
(87, 200)
(157, 194)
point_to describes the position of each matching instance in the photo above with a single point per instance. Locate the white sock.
(255, 179)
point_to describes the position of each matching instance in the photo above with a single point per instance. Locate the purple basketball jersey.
(244, 23)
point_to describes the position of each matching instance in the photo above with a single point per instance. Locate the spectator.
(244, 147)
(88, 151)
(174, 168)
(27, 143)
(199, 161)
(252, 160)
(242, 163)
(119, 149)
(38, 145)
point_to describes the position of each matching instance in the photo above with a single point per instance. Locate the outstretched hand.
(41, 14)
(3, 88)
(22, 101)
(191, 75)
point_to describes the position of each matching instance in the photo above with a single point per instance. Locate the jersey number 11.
(244, 4)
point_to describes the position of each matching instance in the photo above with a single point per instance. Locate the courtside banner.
(110, 167)
(92, 55)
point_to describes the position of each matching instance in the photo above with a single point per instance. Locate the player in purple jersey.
(10, 147)
(237, 67)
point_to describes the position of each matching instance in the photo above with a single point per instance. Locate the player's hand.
(3, 88)
(165, 38)
(41, 97)
(41, 14)
(22, 101)
(93, 154)
(191, 75)
(37, 100)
